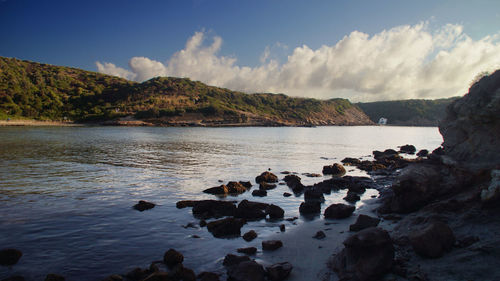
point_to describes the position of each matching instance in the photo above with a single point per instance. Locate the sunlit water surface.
(66, 192)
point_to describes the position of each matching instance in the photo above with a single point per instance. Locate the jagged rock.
(246, 271)
(408, 149)
(275, 212)
(172, 257)
(336, 169)
(9, 257)
(310, 207)
(364, 221)
(433, 241)
(250, 235)
(54, 277)
(271, 245)
(232, 260)
(228, 227)
(251, 210)
(423, 153)
(235, 187)
(266, 177)
(144, 205)
(338, 211)
(294, 182)
(213, 208)
(248, 250)
(471, 128)
(259, 193)
(367, 255)
(217, 190)
(279, 271)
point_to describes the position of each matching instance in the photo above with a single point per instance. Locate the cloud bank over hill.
(400, 63)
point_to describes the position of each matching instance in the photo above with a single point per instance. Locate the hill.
(46, 92)
(408, 112)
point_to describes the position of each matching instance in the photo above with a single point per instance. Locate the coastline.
(36, 123)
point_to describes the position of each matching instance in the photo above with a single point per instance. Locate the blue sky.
(81, 33)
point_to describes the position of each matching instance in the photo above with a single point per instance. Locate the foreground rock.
(339, 211)
(143, 206)
(271, 245)
(279, 271)
(172, 258)
(9, 257)
(250, 235)
(266, 177)
(246, 271)
(294, 182)
(336, 169)
(210, 208)
(364, 221)
(433, 240)
(226, 228)
(367, 255)
(310, 208)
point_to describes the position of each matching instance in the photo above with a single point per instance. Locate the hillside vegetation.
(46, 92)
(408, 112)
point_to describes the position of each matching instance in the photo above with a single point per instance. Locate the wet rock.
(116, 277)
(367, 255)
(310, 207)
(172, 258)
(423, 153)
(386, 154)
(203, 223)
(433, 240)
(250, 235)
(275, 212)
(271, 245)
(312, 175)
(352, 197)
(266, 186)
(336, 169)
(232, 260)
(246, 271)
(9, 257)
(235, 187)
(259, 193)
(351, 161)
(208, 276)
(251, 210)
(224, 228)
(247, 251)
(246, 184)
(217, 190)
(471, 128)
(266, 177)
(294, 182)
(279, 271)
(159, 276)
(408, 149)
(143, 206)
(338, 211)
(364, 221)
(286, 194)
(282, 228)
(138, 273)
(184, 274)
(319, 235)
(314, 194)
(185, 203)
(54, 277)
(213, 208)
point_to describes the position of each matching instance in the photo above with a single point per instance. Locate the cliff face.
(471, 128)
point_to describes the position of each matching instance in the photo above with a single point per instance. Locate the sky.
(361, 50)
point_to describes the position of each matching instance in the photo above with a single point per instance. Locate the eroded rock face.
(471, 128)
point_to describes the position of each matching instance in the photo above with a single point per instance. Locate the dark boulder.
(138, 273)
(275, 212)
(408, 149)
(228, 227)
(310, 207)
(266, 186)
(208, 276)
(286, 194)
(232, 260)
(385, 155)
(314, 194)
(185, 203)
(433, 240)
(336, 169)
(279, 271)
(235, 187)
(319, 235)
(364, 221)
(259, 193)
(271, 245)
(183, 273)
(116, 277)
(423, 153)
(217, 190)
(246, 184)
(54, 277)
(9, 257)
(351, 161)
(352, 197)
(213, 208)
(251, 210)
(367, 255)
(246, 271)
(158, 276)
(294, 183)
(250, 235)
(172, 258)
(338, 211)
(143, 206)
(247, 251)
(266, 177)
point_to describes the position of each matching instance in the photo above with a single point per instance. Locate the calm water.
(66, 193)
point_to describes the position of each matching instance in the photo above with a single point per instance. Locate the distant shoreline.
(4, 123)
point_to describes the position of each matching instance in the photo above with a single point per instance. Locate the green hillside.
(46, 92)
(408, 112)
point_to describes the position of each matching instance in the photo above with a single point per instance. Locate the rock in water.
(271, 245)
(408, 149)
(364, 221)
(144, 205)
(250, 235)
(172, 257)
(246, 271)
(471, 128)
(275, 212)
(433, 241)
(228, 227)
(310, 207)
(266, 177)
(217, 190)
(279, 271)
(336, 169)
(9, 257)
(339, 211)
(248, 251)
(367, 255)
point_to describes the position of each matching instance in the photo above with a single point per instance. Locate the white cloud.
(399, 63)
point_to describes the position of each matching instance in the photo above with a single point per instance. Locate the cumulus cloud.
(399, 63)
